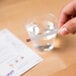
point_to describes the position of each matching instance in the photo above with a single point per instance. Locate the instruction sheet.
(15, 57)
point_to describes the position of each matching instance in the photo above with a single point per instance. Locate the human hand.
(67, 20)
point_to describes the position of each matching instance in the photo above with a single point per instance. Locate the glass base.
(45, 48)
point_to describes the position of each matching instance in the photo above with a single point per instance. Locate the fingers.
(67, 13)
(68, 27)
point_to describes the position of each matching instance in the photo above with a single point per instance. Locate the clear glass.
(42, 31)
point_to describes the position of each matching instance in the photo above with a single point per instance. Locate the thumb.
(68, 27)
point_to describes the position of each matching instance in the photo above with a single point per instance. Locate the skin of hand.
(67, 19)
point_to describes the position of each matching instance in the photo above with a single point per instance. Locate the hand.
(67, 20)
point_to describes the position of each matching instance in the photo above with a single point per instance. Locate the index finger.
(67, 12)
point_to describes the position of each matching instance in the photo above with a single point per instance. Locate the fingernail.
(63, 31)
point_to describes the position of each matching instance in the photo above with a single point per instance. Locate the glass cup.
(42, 31)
